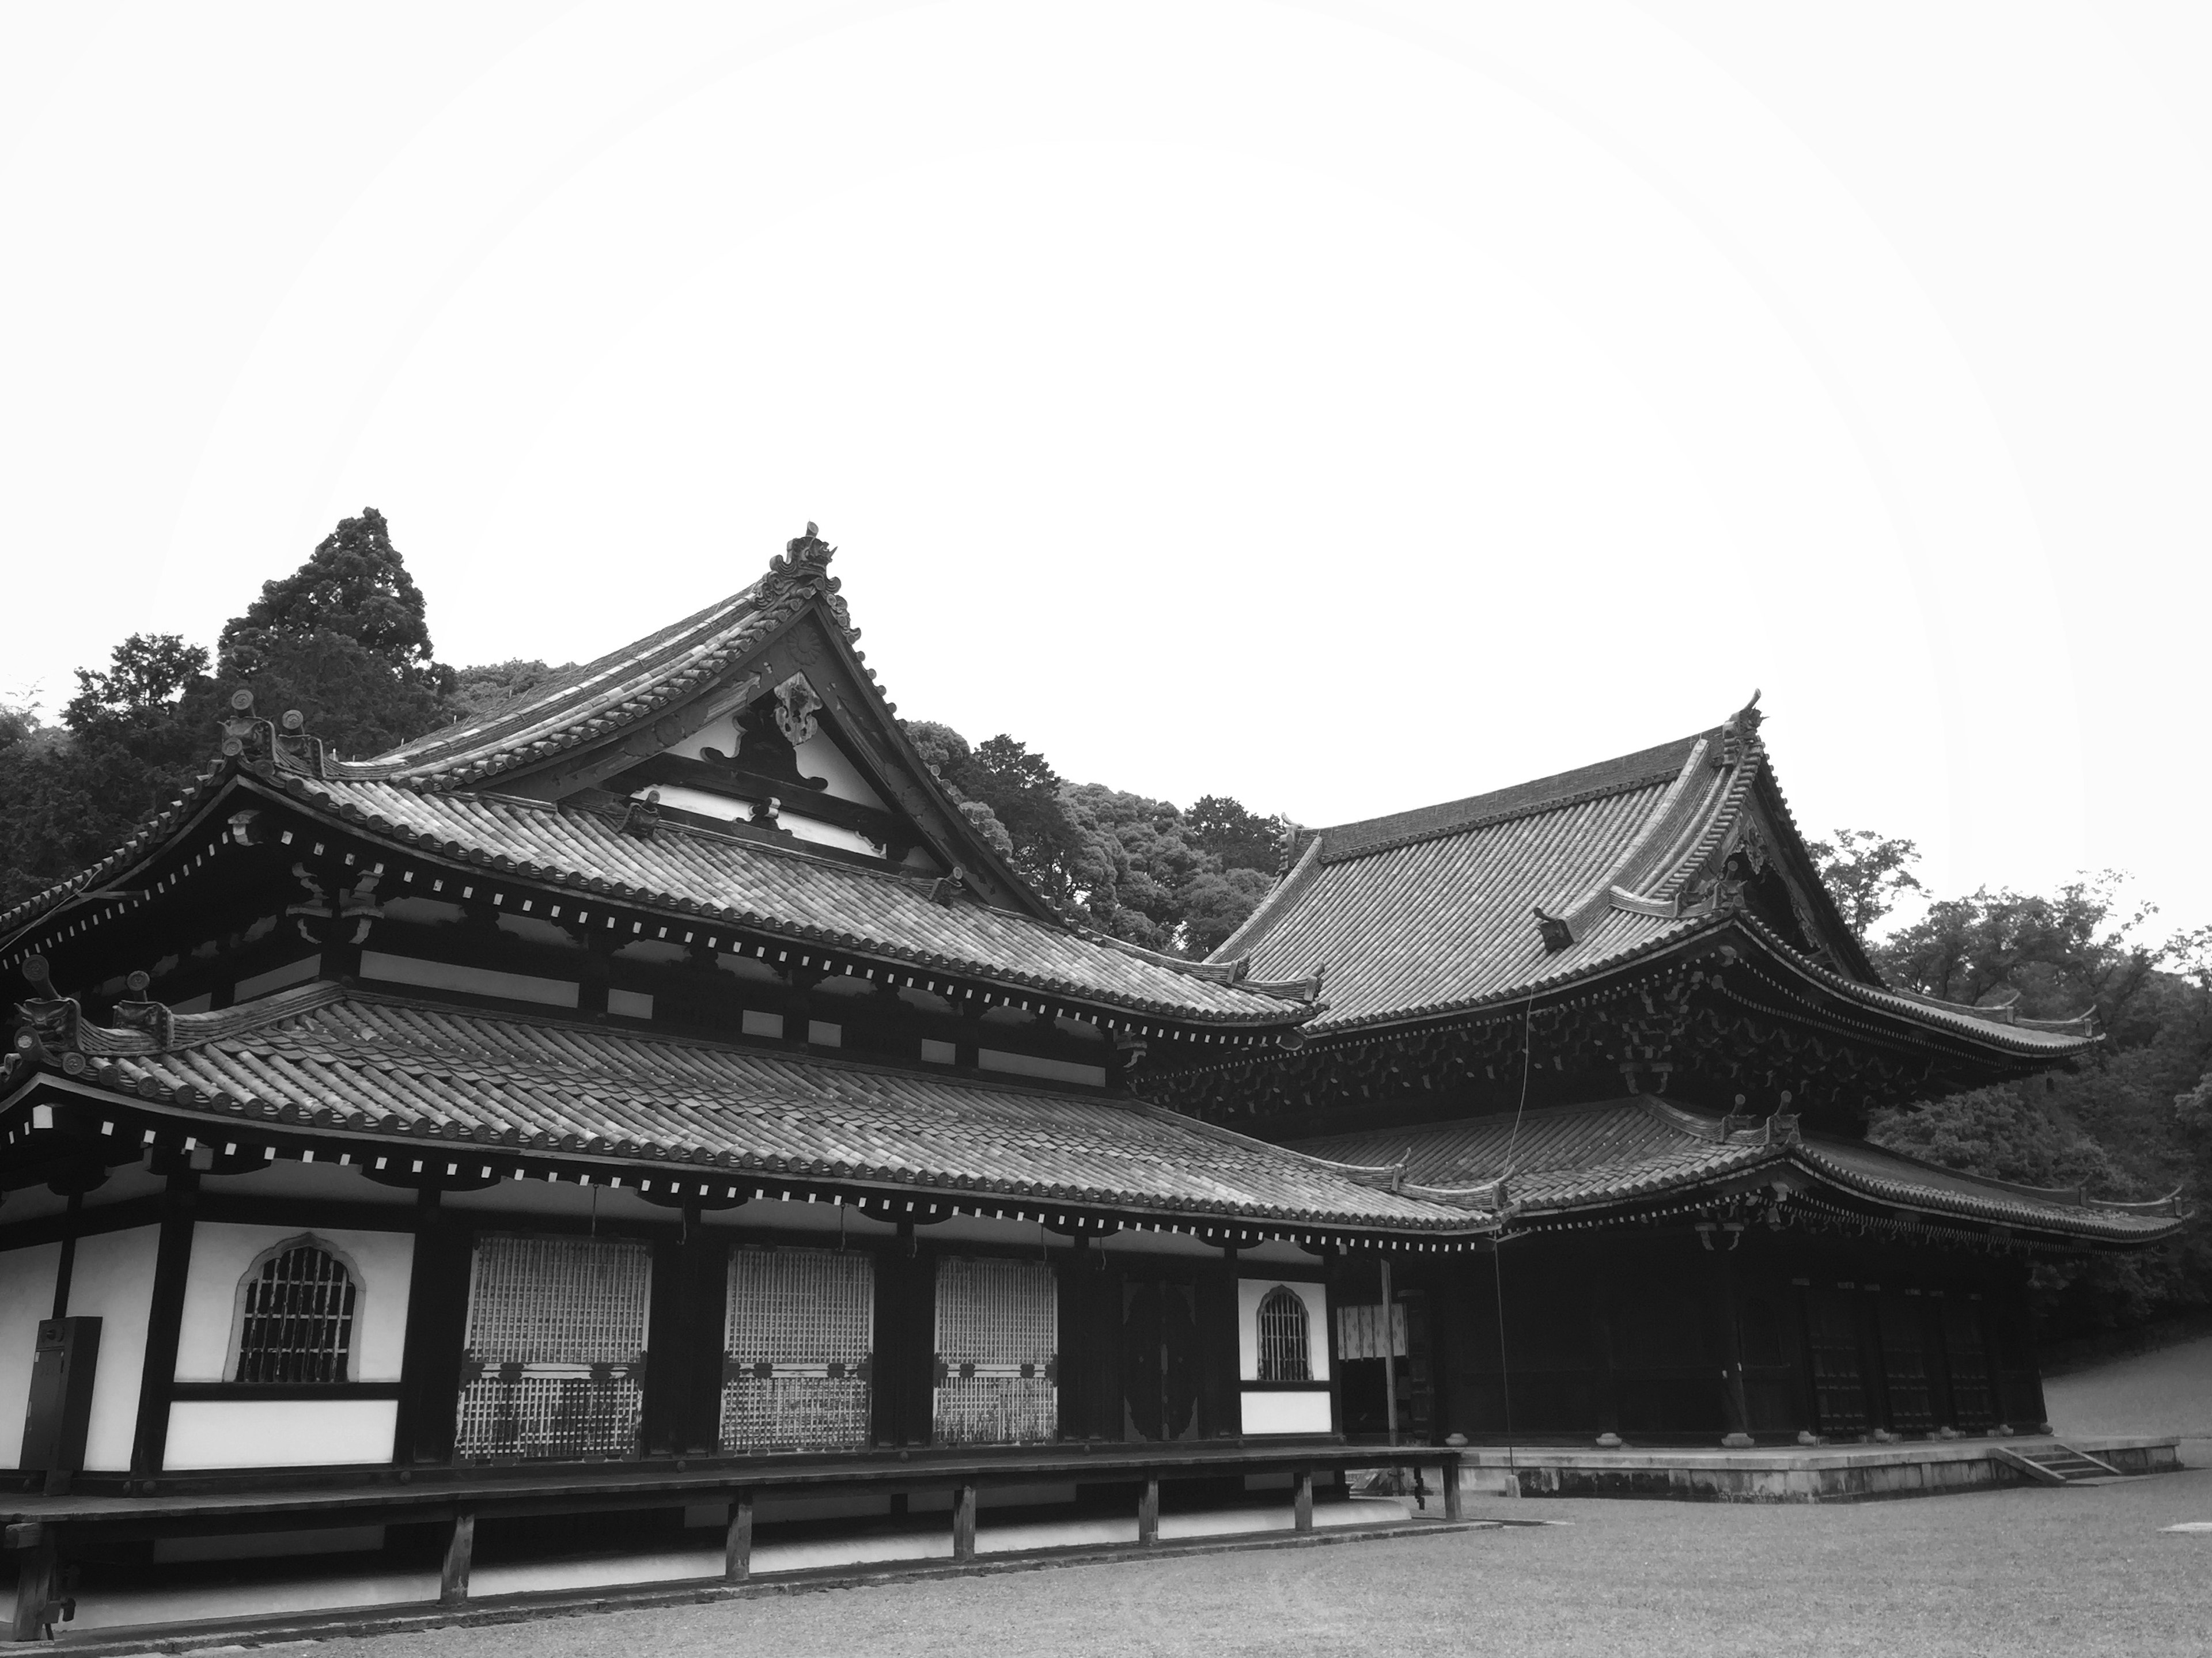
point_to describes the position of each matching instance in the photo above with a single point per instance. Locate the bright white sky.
(1343, 406)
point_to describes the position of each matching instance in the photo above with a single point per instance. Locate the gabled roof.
(394, 1075)
(1574, 1158)
(606, 696)
(1530, 890)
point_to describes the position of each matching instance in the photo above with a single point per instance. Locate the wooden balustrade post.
(461, 1548)
(1148, 1511)
(1455, 1500)
(737, 1541)
(963, 1522)
(1301, 1499)
(36, 1574)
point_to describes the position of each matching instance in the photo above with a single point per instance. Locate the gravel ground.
(2085, 1570)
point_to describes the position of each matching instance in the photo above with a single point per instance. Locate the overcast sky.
(1343, 406)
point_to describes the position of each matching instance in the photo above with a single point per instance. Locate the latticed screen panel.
(555, 1362)
(1972, 1402)
(298, 1324)
(997, 1342)
(1372, 1332)
(797, 1333)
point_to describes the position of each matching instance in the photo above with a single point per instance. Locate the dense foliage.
(2133, 1120)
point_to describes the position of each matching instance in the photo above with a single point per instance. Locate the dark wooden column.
(1728, 1323)
(173, 1266)
(1220, 1409)
(906, 1321)
(65, 1268)
(437, 1325)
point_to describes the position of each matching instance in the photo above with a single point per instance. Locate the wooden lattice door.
(797, 1328)
(1904, 1331)
(1967, 1356)
(554, 1359)
(998, 1340)
(1831, 1341)
(1159, 1360)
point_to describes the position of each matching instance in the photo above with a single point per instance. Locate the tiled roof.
(384, 1068)
(1436, 911)
(621, 687)
(1445, 920)
(875, 912)
(1577, 1157)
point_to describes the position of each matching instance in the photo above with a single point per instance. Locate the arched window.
(1286, 1342)
(296, 1315)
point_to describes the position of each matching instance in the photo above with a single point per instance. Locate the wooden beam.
(737, 1541)
(173, 1265)
(460, 1550)
(964, 1522)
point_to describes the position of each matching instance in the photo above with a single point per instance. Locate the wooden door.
(1159, 1360)
(1905, 1364)
(1832, 1342)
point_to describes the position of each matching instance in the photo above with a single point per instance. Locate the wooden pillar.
(461, 1548)
(1455, 1499)
(737, 1541)
(36, 1573)
(423, 1303)
(66, 1266)
(1724, 1299)
(173, 1264)
(963, 1522)
(1301, 1500)
(1148, 1511)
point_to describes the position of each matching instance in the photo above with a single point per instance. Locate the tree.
(344, 640)
(2082, 947)
(1238, 838)
(1866, 874)
(482, 692)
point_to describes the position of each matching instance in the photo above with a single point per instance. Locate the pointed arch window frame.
(241, 1310)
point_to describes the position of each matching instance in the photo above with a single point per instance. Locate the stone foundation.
(1819, 1473)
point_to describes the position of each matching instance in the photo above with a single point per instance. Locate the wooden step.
(2055, 1465)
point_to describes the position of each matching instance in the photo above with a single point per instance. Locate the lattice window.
(796, 1330)
(555, 1364)
(1285, 1337)
(998, 1340)
(296, 1316)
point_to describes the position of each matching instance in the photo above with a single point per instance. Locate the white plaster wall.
(113, 1281)
(283, 1433)
(26, 1296)
(1287, 1413)
(222, 1252)
(1249, 1293)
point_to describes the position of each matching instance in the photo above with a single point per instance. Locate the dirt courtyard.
(2083, 1571)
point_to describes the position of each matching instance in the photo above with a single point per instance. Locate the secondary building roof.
(1556, 1164)
(1532, 889)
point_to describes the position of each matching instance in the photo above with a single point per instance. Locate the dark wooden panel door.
(1905, 1364)
(1159, 1360)
(1973, 1403)
(1831, 1343)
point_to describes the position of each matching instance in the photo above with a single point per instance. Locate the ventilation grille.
(797, 1331)
(998, 1338)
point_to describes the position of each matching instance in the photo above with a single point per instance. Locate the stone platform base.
(1774, 1473)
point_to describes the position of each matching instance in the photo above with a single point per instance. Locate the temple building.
(664, 1079)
